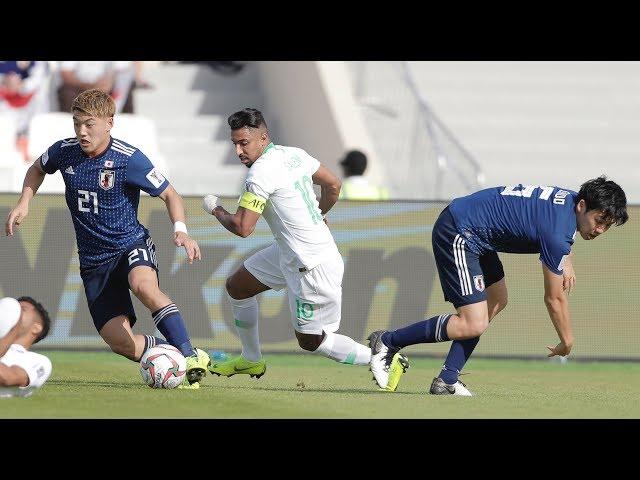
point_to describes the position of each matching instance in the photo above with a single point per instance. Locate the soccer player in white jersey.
(22, 371)
(303, 258)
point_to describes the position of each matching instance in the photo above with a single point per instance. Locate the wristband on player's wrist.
(180, 227)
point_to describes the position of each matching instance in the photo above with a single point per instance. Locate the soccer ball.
(163, 366)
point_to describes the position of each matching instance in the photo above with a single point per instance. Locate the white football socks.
(245, 314)
(344, 349)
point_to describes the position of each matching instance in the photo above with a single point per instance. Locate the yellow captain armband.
(252, 202)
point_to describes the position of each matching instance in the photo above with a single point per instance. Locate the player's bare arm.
(181, 238)
(13, 376)
(241, 223)
(558, 308)
(9, 338)
(32, 181)
(329, 188)
(568, 274)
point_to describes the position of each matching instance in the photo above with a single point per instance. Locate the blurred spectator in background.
(354, 185)
(140, 81)
(224, 67)
(114, 78)
(23, 93)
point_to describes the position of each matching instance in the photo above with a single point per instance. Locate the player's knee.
(144, 289)
(233, 289)
(309, 343)
(477, 327)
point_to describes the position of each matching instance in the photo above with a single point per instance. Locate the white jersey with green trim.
(282, 176)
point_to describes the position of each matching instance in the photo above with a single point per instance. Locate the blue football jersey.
(102, 194)
(519, 219)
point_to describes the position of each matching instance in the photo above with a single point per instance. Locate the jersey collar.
(269, 147)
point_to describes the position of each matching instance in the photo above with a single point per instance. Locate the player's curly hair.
(602, 194)
(94, 102)
(44, 316)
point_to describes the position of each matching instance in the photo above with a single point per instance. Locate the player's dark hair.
(248, 117)
(602, 194)
(44, 316)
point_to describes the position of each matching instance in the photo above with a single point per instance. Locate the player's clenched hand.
(181, 239)
(209, 203)
(16, 216)
(561, 349)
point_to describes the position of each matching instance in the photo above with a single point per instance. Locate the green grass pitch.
(104, 385)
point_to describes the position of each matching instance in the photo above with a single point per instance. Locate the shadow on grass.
(313, 390)
(94, 383)
(209, 386)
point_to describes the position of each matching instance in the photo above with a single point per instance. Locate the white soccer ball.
(163, 366)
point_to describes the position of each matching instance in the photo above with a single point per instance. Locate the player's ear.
(109, 123)
(36, 329)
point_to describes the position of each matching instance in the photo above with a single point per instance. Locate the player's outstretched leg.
(343, 349)
(386, 344)
(339, 348)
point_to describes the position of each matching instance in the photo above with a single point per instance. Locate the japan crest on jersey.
(478, 281)
(107, 179)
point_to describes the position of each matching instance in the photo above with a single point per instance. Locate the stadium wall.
(390, 280)
(312, 106)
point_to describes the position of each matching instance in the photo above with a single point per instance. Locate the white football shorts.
(315, 296)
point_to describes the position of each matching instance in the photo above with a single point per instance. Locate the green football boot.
(398, 367)
(238, 365)
(197, 366)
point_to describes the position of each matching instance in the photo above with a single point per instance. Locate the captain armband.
(252, 202)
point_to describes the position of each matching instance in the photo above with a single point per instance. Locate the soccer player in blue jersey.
(103, 178)
(466, 238)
